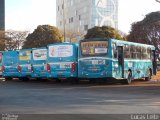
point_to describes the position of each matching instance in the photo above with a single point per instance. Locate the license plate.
(65, 65)
(98, 62)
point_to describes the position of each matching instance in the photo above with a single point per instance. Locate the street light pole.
(64, 27)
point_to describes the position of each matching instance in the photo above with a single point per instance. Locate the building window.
(71, 2)
(62, 6)
(85, 27)
(60, 23)
(76, 12)
(79, 17)
(58, 8)
(71, 19)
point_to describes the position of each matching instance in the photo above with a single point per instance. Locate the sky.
(28, 14)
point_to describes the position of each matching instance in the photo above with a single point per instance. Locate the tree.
(14, 39)
(42, 36)
(2, 40)
(158, 1)
(72, 36)
(147, 31)
(103, 32)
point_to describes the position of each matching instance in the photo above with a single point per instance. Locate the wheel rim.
(129, 77)
(149, 75)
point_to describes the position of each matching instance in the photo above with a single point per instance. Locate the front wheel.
(8, 78)
(25, 79)
(149, 75)
(129, 79)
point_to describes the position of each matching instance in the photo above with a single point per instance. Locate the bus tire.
(149, 75)
(129, 78)
(8, 78)
(25, 79)
(74, 80)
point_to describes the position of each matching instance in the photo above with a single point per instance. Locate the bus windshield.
(61, 51)
(94, 48)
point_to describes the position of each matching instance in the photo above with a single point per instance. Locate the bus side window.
(138, 52)
(126, 52)
(148, 53)
(133, 51)
(144, 53)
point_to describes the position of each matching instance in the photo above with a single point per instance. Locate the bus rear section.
(1, 55)
(62, 61)
(39, 57)
(25, 65)
(94, 60)
(10, 65)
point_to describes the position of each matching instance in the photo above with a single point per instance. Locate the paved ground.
(51, 98)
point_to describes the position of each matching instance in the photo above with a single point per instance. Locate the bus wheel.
(74, 80)
(8, 78)
(129, 78)
(149, 75)
(25, 79)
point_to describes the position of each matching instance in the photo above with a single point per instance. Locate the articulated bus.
(110, 58)
(39, 57)
(62, 61)
(25, 64)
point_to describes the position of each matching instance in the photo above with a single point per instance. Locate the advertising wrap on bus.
(61, 51)
(10, 64)
(25, 64)
(111, 58)
(62, 61)
(24, 55)
(40, 54)
(39, 63)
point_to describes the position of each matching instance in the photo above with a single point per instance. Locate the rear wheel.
(129, 79)
(149, 75)
(24, 79)
(8, 78)
(74, 80)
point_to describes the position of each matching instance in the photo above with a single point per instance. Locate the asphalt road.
(34, 97)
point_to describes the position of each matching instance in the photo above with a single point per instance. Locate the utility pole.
(158, 1)
(64, 22)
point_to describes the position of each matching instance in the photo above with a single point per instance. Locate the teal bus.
(62, 61)
(25, 64)
(111, 58)
(39, 57)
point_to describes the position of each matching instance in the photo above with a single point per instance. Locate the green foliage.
(42, 36)
(147, 31)
(103, 32)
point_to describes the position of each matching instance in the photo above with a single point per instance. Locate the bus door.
(121, 60)
(154, 62)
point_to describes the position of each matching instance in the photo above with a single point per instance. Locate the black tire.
(8, 78)
(149, 76)
(58, 80)
(25, 79)
(74, 80)
(128, 80)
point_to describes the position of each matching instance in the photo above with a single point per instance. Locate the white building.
(75, 17)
